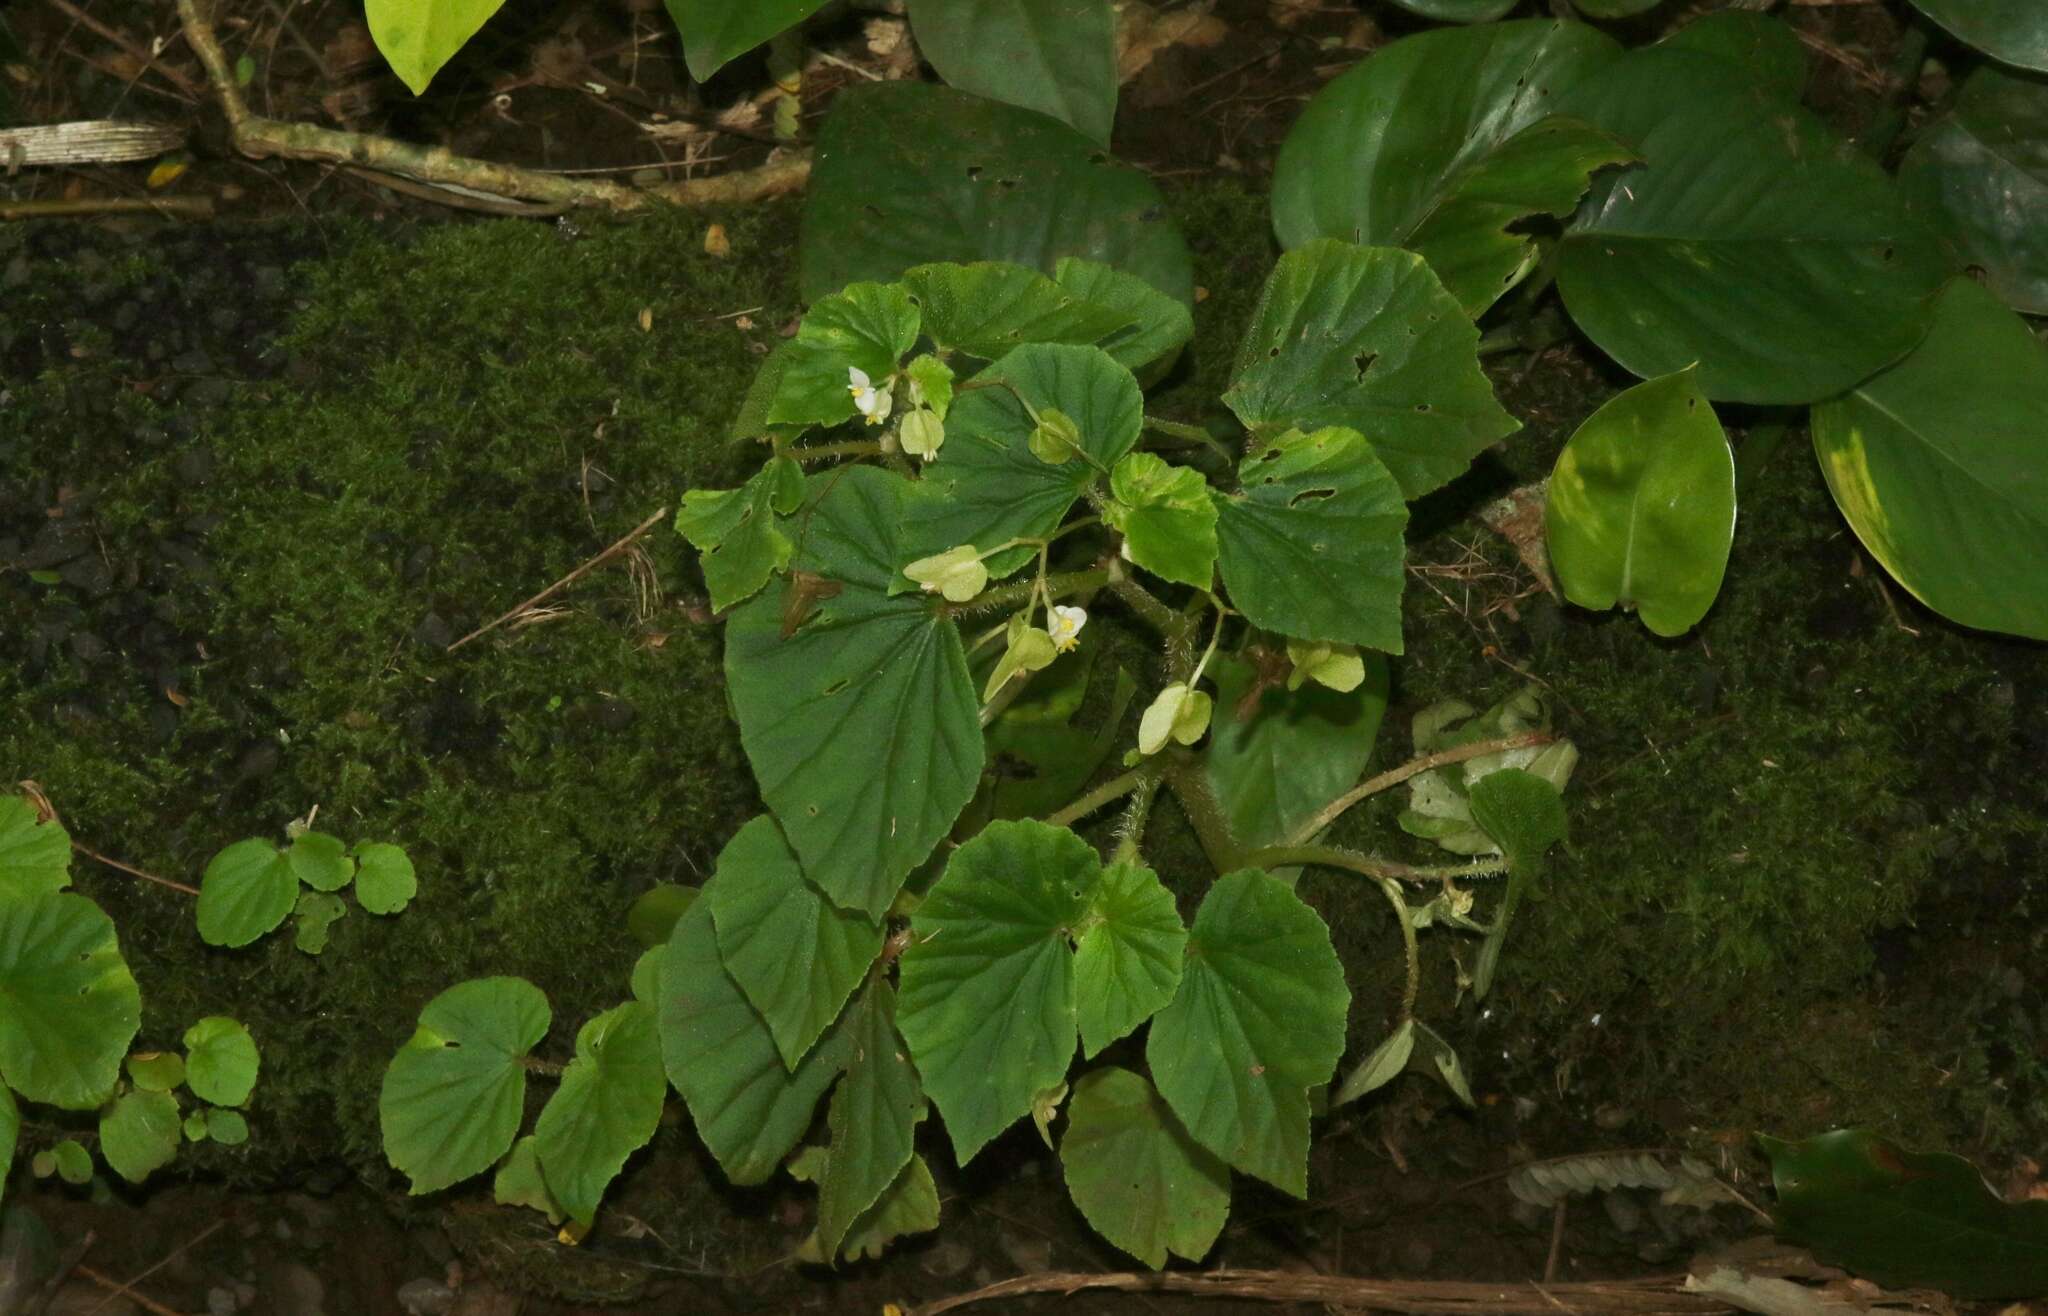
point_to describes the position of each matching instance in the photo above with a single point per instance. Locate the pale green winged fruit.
(872, 403)
(1030, 650)
(1064, 622)
(1179, 713)
(1337, 666)
(1056, 438)
(957, 573)
(921, 433)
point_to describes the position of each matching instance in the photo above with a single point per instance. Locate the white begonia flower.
(957, 573)
(871, 402)
(1064, 624)
(1179, 713)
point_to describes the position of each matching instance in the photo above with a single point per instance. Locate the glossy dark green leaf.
(1258, 1021)
(2015, 31)
(1752, 242)
(1763, 48)
(1938, 465)
(986, 486)
(1641, 509)
(1272, 765)
(1141, 1181)
(1054, 56)
(1312, 546)
(1907, 1219)
(866, 670)
(1980, 173)
(1458, 11)
(1367, 338)
(1440, 141)
(795, 954)
(909, 173)
(748, 1109)
(716, 32)
(1614, 8)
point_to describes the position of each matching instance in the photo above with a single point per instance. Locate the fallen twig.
(593, 564)
(133, 871)
(89, 141)
(170, 207)
(140, 53)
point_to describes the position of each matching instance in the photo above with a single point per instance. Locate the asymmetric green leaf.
(69, 1006)
(1937, 465)
(1313, 546)
(1054, 56)
(1273, 764)
(453, 1095)
(862, 726)
(418, 36)
(873, 1117)
(74, 1162)
(139, 1133)
(385, 880)
(249, 888)
(1764, 49)
(605, 1109)
(35, 857)
(1980, 174)
(220, 1061)
(795, 954)
(987, 308)
(1751, 242)
(1128, 961)
(1137, 1176)
(1159, 325)
(987, 487)
(1166, 517)
(748, 1109)
(315, 914)
(864, 326)
(1440, 141)
(320, 861)
(2014, 31)
(1641, 509)
(1366, 338)
(910, 1205)
(1907, 1219)
(736, 531)
(1257, 1022)
(987, 985)
(715, 32)
(909, 172)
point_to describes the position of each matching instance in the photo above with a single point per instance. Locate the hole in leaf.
(811, 809)
(1272, 351)
(1311, 496)
(872, 209)
(974, 173)
(1364, 362)
(1422, 407)
(1098, 157)
(1006, 183)
(836, 686)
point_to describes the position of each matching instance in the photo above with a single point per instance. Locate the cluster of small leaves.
(252, 886)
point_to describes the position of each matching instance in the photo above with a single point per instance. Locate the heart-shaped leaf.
(1137, 1176)
(69, 1006)
(1367, 339)
(249, 888)
(454, 1094)
(795, 954)
(865, 670)
(139, 1134)
(1641, 509)
(220, 1061)
(1257, 1022)
(1054, 56)
(385, 880)
(1937, 465)
(605, 1109)
(909, 173)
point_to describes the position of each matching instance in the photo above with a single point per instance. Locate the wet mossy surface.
(389, 437)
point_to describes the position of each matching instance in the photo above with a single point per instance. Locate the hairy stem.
(1131, 827)
(1113, 789)
(1367, 865)
(818, 452)
(1064, 585)
(1143, 601)
(1408, 944)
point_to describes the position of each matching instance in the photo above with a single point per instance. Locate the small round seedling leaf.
(604, 1110)
(385, 881)
(226, 1127)
(249, 888)
(1937, 465)
(69, 1007)
(909, 173)
(320, 861)
(1257, 1022)
(795, 954)
(220, 1061)
(1641, 508)
(1137, 1176)
(987, 984)
(1128, 961)
(653, 914)
(1058, 57)
(452, 1096)
(1313, 547)
(1367, 339)
(139, 1134)
(195, 1127)
(156, 1071)
(1524, 815)
(74, 1162)
(34, 856)
(749, 1110)
(313, 916)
